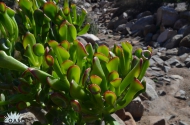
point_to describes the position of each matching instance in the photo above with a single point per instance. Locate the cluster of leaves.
(72, 82)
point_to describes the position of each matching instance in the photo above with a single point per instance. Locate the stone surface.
(143, 14)
(135, 108)
(173, 42)
(150, 92)
(129, 119)
(142, 22)
(121, 114)
(90, 38)
(167, 34)
(149, 29)
(180, 23)
(166, 16)
(157, 120)
(181, 94)
(185, 41)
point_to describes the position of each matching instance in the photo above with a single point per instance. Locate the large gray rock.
(90, 38)
(143, 14)
(150, 93)
(185, 41)
(167, 34)
(166, 16)
(173, 42)
(179, 23)
(185, 15)
(142, 22)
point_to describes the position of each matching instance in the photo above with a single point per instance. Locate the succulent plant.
(75, 84)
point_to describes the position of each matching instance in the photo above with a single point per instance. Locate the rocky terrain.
(166, 28)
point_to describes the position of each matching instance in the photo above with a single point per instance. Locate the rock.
(187, 62)
(181, 95)
(185, 41)
(150, 93)
(186, 31)
(183, 57)
(142, 22)
(167, 34)
(121, 114)
(185, 15)
(172, 51)
(166, 16)
(152, 62)
(182, 123)
(148, 37)
(155, 37)
(157, 120)
(117, 119)
(90, 38)
(111, 24)
(172, 61)
(129, 119)
(121, 28)
(149, 29)
(81, 40)
(150, 81)
(157, 59)
(135, 108)
(161, 93)
(173, 42)
(183, 29)
(167, 68)
(181, 7)
(180, 23)
(183, 50)
(143, 14)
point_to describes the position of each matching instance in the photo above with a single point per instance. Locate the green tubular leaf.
(129, 78)
(72, 33)
(49, 60)
(2, 7)
(22, 105)
(110, 97)
(40, 75)
(81, 53)
(11, 63)
(53, 44)
(2, 97)
(38, 49)
(102, 57)
(113, 64)
(97, 70)
(74, 13)
(32, 58)
(89, 50)
(127, 49)
(50, 9)
(104, 50)
(45, 32)
(73, 73)
(62, 54)
(85, 76)
(138, 52)
(26, 4)
(77, 91)
(142, 90)
(76, 105)
(2, 30)
(96, 79)
(135, 87)
(84, 29)
(65, 44)
(134, 62)
(65, 66)
(66, 4)
(10, 12)
(28, 39)
(16, 30)
(82, 17)
(149, 48)
(119, 53)
(113, 75)
(58, 84)
(63, 31)
(6, 21)
(94, 89)
(24, 88)
(66, 11)
(38, 15)
(3, 45)
(116, 82)
(59, 99)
